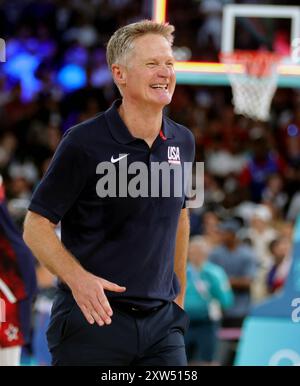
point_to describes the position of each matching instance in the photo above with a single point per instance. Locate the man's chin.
(162, 102)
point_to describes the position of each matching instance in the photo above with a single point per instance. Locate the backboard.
(214, 73)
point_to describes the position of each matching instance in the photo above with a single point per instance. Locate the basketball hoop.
(253, 77)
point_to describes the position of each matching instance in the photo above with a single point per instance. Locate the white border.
(231, 11)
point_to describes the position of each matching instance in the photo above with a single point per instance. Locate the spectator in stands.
(260, 233)
(261, 165)
(208, 292)
(280, 249)
(42, 306)
(239, 263)
(210, 228)
(274, 196)
(17, 288)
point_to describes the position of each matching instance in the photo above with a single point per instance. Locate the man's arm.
(181, 251)
(87, 289)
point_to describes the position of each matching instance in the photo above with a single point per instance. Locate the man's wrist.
(72, 276)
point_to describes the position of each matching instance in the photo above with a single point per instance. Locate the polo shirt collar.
(119, 130)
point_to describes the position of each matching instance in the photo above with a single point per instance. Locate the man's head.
(198, 251)
(261, 217)
(229, 229)
(210, 222)
(142, 63)
(280, 248)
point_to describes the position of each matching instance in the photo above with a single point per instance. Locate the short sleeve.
(63, 181)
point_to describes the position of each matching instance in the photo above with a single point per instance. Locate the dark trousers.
(134, 338)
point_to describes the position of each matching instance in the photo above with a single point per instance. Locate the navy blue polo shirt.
(126, 240)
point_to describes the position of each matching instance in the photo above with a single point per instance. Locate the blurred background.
(55, 76)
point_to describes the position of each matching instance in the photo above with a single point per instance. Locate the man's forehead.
(153, 48)
(153, 42)
(158, 56)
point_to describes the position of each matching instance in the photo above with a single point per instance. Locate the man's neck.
(142, 121)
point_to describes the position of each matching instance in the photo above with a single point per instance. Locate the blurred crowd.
(56, 76)
(245, 227)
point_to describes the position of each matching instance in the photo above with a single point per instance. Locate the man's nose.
(164, 71)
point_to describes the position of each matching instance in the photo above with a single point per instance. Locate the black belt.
(135, 309)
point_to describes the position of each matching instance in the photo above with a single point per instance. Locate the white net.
(253, 83)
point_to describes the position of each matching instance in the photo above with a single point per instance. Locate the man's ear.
(119, 74)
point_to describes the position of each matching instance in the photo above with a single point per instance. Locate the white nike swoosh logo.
(114, 160)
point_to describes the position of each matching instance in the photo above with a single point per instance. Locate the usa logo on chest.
(173, 155)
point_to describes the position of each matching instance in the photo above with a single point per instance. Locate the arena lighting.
(204, 67)
(159, 10)
(160, 15)
(71, 77)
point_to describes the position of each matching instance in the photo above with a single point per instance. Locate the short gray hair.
(200, 242)
(121, 42)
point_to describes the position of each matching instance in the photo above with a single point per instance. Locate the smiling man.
(122, 260)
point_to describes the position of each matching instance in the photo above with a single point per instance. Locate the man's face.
(228, 237)
(281, 250)
(197, 254)
(149, 74)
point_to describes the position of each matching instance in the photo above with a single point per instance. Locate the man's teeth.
(162, 86)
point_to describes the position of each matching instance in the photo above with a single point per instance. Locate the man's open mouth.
(159, 86)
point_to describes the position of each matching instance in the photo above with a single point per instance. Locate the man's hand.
(87, 289)
(88, 292)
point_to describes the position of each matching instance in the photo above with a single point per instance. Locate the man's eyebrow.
(157, 59)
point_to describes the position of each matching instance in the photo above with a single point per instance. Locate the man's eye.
(151, 64)
(170, 64)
